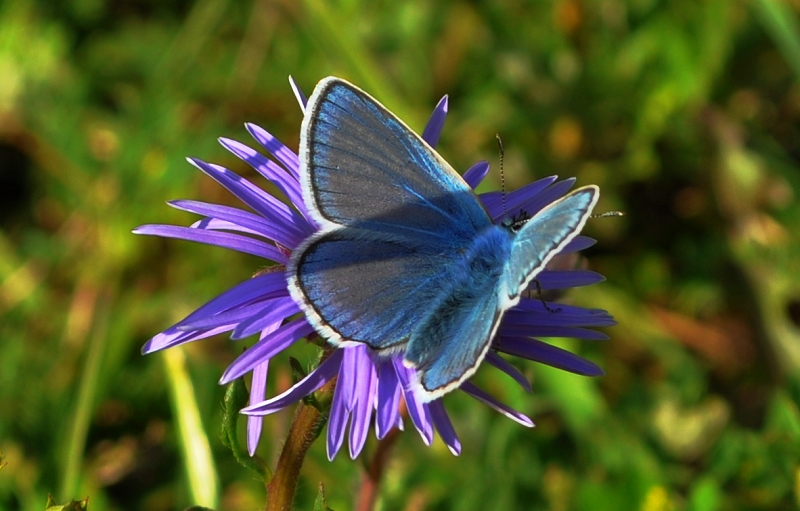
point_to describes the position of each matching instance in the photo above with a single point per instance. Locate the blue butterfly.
(406, 258)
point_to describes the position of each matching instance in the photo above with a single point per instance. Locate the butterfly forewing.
(364, 167)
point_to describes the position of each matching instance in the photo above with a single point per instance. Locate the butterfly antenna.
(502, 174)
(607, 214)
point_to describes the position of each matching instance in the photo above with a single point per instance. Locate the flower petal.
(281, 309)
(276, 228)
(579, 242)
(563, 279)
(311, 383)
(298, 93)
(364, 390)
(257, 392)
(261, 287)
(285, 182)
(260, 201)
(530, 205)
(417, 410)
(493, 201)
(172, 337)
(485, 398)
(435, 123)
(220, 239)
(343, 399)
(444, 426)
(232, 316)
(283, 154)
(530, 311)
(502, 364)
(475, 174)
(267, 348)
(547, 354)
(388, 403)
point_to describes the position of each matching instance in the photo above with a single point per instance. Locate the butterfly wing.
(392, 214)
(362, 166)
(544, 236)
(366, 287)
(453, 338)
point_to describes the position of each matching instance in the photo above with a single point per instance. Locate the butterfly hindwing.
(544, 236)
(454, 336)
(367, 287)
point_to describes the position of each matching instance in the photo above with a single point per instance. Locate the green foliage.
(686, 113)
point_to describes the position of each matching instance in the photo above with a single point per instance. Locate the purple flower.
(367, 382)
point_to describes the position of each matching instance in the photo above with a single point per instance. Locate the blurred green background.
(686, 113)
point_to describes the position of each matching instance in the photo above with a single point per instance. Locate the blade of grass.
(200, 470)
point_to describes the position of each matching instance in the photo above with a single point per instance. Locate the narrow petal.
(172, 337)
(475, 174)
(220, 239)
(257, 392)
(298, 93)
(213, 224)
(493, 201)
(532, 204)
(444, 426)
(276, 228)
(262, 287)
(258, 389)
(388, 404)
(485, 398)
(267, 348)
(260, 201)
(548, 354)
(233, 316)
(417, 411)
(522, 330)
(280, 310)
(311, 383)
(343, 400)
(283, 154)
(530, 311)
(564, 279)
(285, 182)
(435, 123)
(579, 242)
(502, 364)
(366, 386)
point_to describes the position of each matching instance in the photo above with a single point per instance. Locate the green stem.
(304, 430)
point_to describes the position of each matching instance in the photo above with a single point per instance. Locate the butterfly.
(406, 258)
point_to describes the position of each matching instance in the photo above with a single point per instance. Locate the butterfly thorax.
(485, 258)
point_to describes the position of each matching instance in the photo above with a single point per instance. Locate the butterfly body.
(406, 258)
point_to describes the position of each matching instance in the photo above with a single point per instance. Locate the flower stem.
(304, 430)
(371, 480)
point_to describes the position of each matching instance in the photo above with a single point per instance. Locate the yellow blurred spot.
(656, 499)
(566, 137)
(797, 485)
(103, 144)
(154, 163)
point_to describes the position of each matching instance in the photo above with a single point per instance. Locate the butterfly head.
(516, 222)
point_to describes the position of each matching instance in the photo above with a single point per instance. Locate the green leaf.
(320, 503)
(73, 505)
